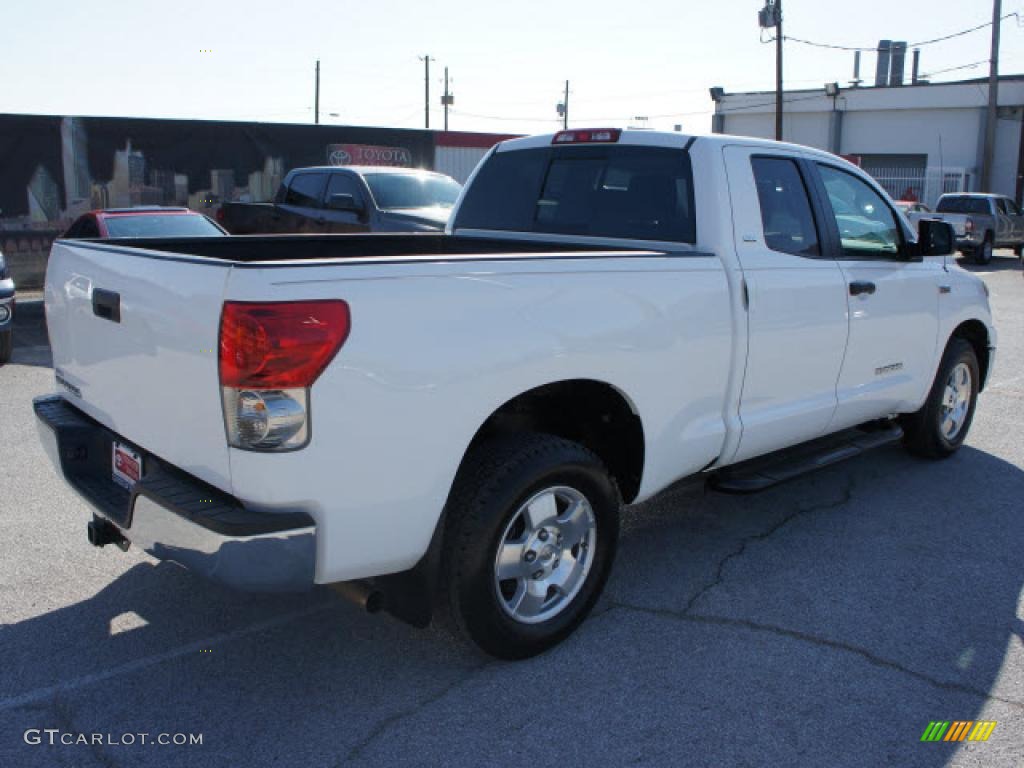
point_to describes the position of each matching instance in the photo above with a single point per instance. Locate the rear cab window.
(614, 191)
(161, 225)
(963, 205)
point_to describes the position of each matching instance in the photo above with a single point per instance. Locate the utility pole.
(446, 100)
(316, 98)
(565, 110)
(993, 102)
(426, 91)
(778, 70)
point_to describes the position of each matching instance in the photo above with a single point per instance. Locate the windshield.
(963, 205)
(161, 225)
(413, 190)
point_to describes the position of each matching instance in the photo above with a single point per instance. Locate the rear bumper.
(174, 516)
(968, 241)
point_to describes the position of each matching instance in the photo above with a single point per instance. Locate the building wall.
(1008, 137)
(457, 162)
(944, 121)
(948, 136)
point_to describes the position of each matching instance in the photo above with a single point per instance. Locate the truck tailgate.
(134, 338)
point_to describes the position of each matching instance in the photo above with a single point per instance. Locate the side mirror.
(342, 201)
(935, 238)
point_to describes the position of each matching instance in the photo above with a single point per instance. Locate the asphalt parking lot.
(824, 622)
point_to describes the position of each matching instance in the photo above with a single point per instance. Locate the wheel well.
(974, 332)
(591, 413)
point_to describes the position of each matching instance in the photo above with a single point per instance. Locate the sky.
(508, 62)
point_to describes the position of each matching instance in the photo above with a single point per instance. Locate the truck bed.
(413, 246)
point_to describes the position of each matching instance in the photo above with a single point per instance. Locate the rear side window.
(636, 193)
(785, 208)
(963, 205)
(306, 190)
(344, 184)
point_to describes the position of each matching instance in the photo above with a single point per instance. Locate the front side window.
(867, 226)
(785, 208)
(1011, 207)
(305, 190)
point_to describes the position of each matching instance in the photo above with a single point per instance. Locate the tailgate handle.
(106, 304)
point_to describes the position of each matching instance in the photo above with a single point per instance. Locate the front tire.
(939, 428)
(531, 532)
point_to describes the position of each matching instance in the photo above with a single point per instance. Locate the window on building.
(867, 226)
(785, 208)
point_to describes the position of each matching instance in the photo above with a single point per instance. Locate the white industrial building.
(925, 138)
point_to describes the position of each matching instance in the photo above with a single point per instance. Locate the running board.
(765, 471)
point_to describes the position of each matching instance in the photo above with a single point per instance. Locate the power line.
(954, 69)
(961, 33)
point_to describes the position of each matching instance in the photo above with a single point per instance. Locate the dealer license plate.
(127, 465)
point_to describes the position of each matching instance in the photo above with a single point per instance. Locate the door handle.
(106, 304)
(858, 287)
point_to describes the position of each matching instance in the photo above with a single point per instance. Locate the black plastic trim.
(84, 449)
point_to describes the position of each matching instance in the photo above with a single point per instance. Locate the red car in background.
(144, 221)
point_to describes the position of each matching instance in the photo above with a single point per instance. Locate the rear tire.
(6, 346)
(542, 512)
(938, 429)
(983, 255)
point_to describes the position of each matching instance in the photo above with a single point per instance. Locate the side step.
(765, 471)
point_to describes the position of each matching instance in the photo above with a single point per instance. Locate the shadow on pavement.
(1004, 261)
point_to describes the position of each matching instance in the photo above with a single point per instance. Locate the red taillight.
(220, 215)
(588, 136)
(280, 345)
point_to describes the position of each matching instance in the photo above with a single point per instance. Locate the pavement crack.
(378, 730)
(748, 540)
(822, 642)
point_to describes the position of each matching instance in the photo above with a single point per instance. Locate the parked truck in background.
(450, 424)
(982, 223)
(348, 199)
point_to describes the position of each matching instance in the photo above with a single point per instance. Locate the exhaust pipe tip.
(362, 593)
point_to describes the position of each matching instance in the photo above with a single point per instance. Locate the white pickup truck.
(450, 423)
